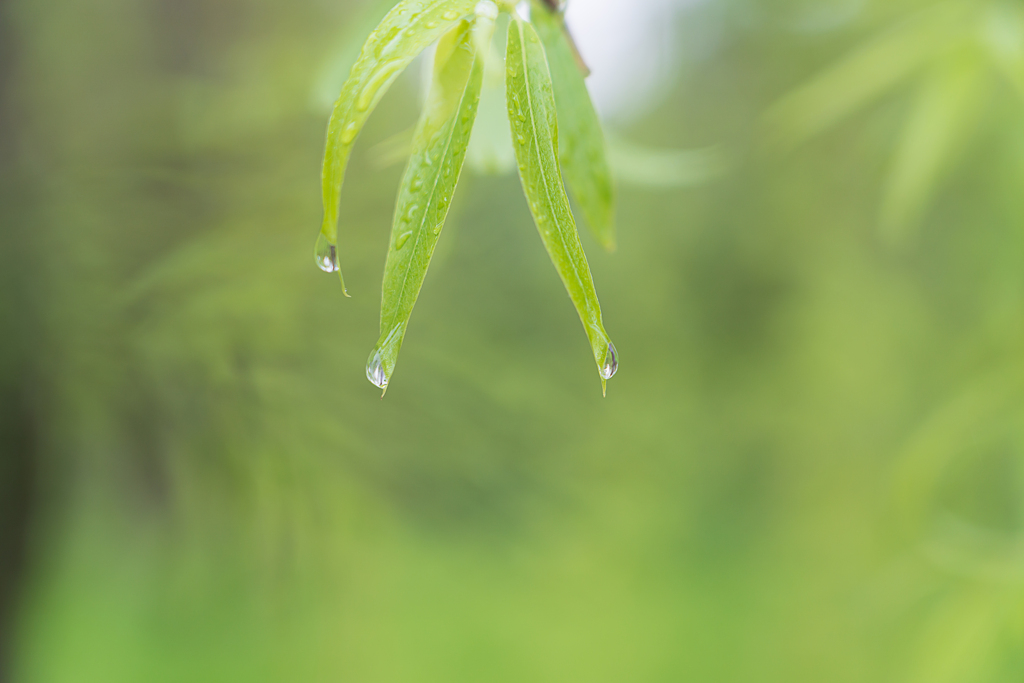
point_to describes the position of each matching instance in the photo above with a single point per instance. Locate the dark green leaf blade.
(405, 32)
(439, 150)
(582, 147)
(531, 104)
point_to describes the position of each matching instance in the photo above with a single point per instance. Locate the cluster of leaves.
(962, 53)
(545, 95)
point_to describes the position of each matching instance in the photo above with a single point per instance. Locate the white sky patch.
(631, 49)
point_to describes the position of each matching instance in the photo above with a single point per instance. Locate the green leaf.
(531, 109)
(583, 152)
(405, 32)
(439, 149)
(866, 74)
(945, 113)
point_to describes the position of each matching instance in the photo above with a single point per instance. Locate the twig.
(557, 8)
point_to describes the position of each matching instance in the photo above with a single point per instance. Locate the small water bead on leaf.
(611, 363)
(368, 94)
(326, 255)
(451, 15)
(402, 239)
(349, 134)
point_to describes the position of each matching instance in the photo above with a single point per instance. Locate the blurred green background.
(810, 466)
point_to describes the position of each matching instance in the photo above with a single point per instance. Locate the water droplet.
(349, 134)
(611, 363)
(431, 25)
(375, 372)
(416, 183)
(521, 115)
(451, 15)
(437, 228)
(411, 212)
(521, 138)
(386, 73)
(326, 255)
(402, 239)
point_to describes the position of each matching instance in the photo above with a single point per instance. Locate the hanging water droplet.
(611, 363)
(349, 134)
(375, 372)
(326, 255)
(402, 239)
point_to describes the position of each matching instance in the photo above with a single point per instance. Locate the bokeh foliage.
(810, 466)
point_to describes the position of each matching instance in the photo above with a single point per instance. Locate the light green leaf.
(944, 114)
(439, 149)
(867, 73)
(582, 146)
(531, 108)
(405, 32)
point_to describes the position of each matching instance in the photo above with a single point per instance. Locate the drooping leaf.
(439, 149)
(403, 34)
(534, 125)
(866, 74)
(943, 116)
(582, 148)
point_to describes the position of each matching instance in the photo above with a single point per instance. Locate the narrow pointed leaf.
(404, 33)
(531, 107)
(439, 150)
(582, 148)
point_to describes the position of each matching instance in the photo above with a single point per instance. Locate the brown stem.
(555, 7)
